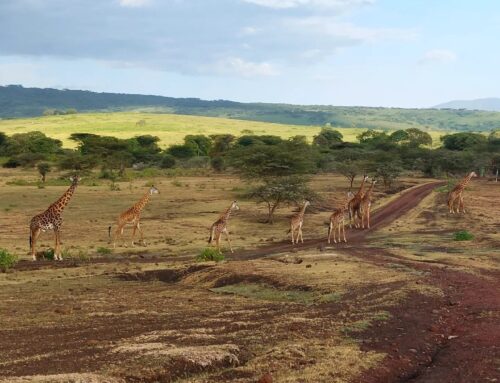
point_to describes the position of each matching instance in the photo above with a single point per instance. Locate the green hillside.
(16, 102)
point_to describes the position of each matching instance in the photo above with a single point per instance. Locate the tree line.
(277, 168)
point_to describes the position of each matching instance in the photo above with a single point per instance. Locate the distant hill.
(17, 101)
(488, 104)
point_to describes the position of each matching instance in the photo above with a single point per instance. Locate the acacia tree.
(278, 171)
(275, 192)
(350, 170)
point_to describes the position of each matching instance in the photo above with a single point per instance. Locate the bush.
(49, 254)
(210, 254)
(7, 260)
(167, 162)
(463, 235)
(12, 163)
(217, 164)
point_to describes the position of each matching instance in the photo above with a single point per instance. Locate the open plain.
(400, 302)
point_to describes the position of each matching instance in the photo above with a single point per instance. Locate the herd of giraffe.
(357, 205)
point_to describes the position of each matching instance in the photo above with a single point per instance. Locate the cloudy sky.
(411, 53)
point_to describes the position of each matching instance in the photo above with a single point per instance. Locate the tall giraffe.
(337, 221)
(296, 223)
(355, 202)
(455, 195)
(365, 206)
(132, 216)
(220, 226)
(51, 219)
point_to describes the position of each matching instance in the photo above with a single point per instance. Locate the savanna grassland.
(170, 128)
(400, 301)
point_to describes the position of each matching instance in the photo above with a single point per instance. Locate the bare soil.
(390, 317)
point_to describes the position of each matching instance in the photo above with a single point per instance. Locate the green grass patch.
(7, 260)
(104, 250)
(463, 235)
(210, 254)
(270, 293)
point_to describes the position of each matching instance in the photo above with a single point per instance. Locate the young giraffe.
(296, 223)
(355, 202)
(364, 208)
(220, 226)
(132, 216)
(51, 219)
(455, 194)
(337, 221)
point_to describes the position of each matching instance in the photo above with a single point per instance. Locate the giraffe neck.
(142, 202)
(303, 210)
(361, 187)
(227, 213)
(465, 181)
(368, 193)
(63, 201)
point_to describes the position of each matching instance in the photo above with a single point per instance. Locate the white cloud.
(239, 67)
(438, 56)
(133, 3)
(283, 4)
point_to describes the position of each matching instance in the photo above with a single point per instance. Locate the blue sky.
(401, 53)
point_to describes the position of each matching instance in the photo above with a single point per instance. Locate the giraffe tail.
(31, 240)
(109, 231)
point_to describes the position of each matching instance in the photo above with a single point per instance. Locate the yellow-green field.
(171, 128)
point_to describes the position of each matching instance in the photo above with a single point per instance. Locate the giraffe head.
(153, 190)
(306, 203)
(75, 179)
(472, 174)
(234, 206)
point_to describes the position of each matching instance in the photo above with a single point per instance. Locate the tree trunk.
(43, 178)
(272, 209)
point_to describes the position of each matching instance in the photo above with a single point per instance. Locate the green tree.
(181, 151)
(279, 191)
(328, 138)
(388, 171)
(201, 144)
(463, 141)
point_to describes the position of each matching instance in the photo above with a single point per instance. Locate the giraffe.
(355, 202)
(455, 195)
(133, 216)
(337, 221)
(365, 206)
(296, 223)
(51, 219)
(220, 226)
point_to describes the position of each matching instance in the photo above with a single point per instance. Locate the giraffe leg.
(229, 241)
(461, 204)
(217, 242)
(329, 231)
(300, 233)
(335, 234)
(141, 233)
(343, 230)
(368, 218)
(35, 233)
(57, 248)
(291, 232)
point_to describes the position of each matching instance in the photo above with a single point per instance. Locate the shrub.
(49, 254)
(12, 163)
(463, 235)
(103, 250)
(217, 164)
(210, 254)
(7, 260)
(167, 162)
